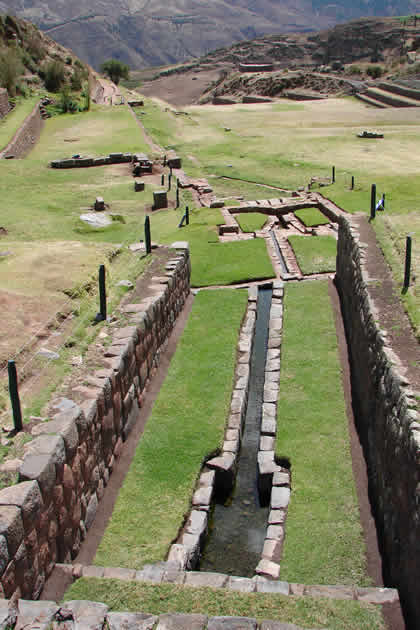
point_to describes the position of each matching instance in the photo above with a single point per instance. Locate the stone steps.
(370, 101)
(394, 100)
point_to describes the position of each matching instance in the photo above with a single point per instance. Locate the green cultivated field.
(186, 426)
(323, 543)
(314, 254)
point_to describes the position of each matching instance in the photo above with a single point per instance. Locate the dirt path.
(155, 147)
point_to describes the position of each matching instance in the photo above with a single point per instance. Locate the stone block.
(275, 532)
(272, 365)
(231, 446)
(280, 497)
(241, 584)
(99, 204)
(267, 443)
(272, 550)
(64, 424)
(277, 517)
(48, 445)
(36, 614)
(231, 623)
(150, 573)
(207, 477)
(178, 556)
(138, 185)
(117, 573)
(377, 595)
(160, 199)
(269, 569)
(93, 571)
(197, 523)
(332, 592)
(91, 510)
(130, 621)
(281, 479)
(40, 468)
(270, 586)
(176, 621)
(87, 615)
(202, 496)
(4, 553)
(200, 579)
(191, 543)
(27, 497)
(235, 421)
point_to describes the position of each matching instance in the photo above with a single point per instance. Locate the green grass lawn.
(324, 543)
(311, 217)
(186, 425)
(314, 254)
(169, 598)
(251, 221)
(11, 123)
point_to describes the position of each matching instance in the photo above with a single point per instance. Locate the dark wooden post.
(383, 201)
(147, 236)
(187, 216)
(14, 395)
(162, 180)
(102, 292)
(407, 272)
(352, 182)
(177, 198)
(373, 201)
(333, 175)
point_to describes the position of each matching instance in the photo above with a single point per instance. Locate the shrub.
(76, 80)
(68, 104)
(115, 70)
(355, 69)
(375, 71)
(11, 68)
(55, 76)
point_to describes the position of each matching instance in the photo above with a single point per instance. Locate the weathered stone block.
(267, 568)
(27, 497)
(87, 615)
(200, 579)
(11, 527)
(40, 468)
(280, 497)
(231, 623)
(241, 584)
(130, 621)
(174, 621)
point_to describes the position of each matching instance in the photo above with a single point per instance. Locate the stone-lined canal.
(238, 526)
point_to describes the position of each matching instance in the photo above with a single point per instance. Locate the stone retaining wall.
(86, 161)
(44, 517)
(388, 424)
(26, 136)
(4, 102)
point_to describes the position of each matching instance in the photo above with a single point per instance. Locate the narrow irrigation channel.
(238, 526)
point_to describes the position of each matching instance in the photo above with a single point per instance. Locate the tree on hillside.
(115, 70)
(11, 68)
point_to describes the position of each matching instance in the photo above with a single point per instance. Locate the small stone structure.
(82, 162)
(4, 102)
(44, 517)
(256, 67)
(99, 204)
(173, 160)
(160, 199)
(25, 137)
(138, 185)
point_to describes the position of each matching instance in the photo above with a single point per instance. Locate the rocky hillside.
(29, 59)
(151, 32)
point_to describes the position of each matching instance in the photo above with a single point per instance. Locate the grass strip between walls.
(314, 254)
(170, 598)
(186, 425)
(324, 543)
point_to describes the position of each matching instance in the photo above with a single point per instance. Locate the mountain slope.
(152, 32)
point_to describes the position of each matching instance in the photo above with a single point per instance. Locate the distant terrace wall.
(26, 136)
(4, 102)
(387, 423)
(44, 517)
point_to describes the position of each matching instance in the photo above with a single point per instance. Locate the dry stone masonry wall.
(44, 517)
(26, 136)
(388, 424)
(4, 102)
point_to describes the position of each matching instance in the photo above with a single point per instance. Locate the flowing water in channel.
(238, 527)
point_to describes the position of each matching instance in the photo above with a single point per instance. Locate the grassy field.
(251, 221)
(313, 137)
(311, 217)
(186, 426)
(324, 543)
(166, 598)
(314, 254)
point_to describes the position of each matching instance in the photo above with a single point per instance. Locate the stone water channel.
(238, 524)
